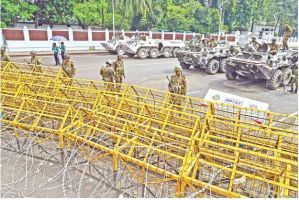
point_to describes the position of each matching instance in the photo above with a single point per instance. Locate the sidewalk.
(50, 53)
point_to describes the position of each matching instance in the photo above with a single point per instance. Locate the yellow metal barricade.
(197, 148)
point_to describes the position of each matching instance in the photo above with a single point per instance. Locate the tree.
(139, 8)
(87, 13)
(13, 11)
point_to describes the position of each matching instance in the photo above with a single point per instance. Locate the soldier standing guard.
(177, 85)
(35, 61)
(119, 71)
(4, 55)
(287, 34)
(108, 74)
(68, 66)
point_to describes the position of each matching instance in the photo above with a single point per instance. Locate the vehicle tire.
(142, 53)
(222, 65)
(118, 50)
(185, 65)
(287, 76)
(230, 74)
(174, 51)
(167, 52)
(212, 67)
(275, 81)
(154, 53)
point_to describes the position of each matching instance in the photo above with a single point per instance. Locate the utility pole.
(113, 18)
(220, 18)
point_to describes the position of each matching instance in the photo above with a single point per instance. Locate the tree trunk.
(252, 25)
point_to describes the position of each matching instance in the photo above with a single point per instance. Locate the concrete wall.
(25, 39)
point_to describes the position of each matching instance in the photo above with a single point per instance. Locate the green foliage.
(87, 13)
(13, 11)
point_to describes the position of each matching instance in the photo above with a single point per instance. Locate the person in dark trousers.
(62, 50)
(55, 50)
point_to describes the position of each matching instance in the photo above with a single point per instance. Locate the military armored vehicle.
(256, 65)
(152, 48)
(211, 59)
(115, 45)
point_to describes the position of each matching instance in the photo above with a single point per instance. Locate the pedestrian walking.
(55, 50)
(62, 50)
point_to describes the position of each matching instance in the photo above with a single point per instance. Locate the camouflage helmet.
(253, 38)
(67, 56)
(109, 62)
(177, 68)
(273, 39)
(33, 52)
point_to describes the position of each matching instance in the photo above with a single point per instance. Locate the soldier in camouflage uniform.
(294, 81)
(177, 85)
(254, 43)
(287, 34)
(212, 42)
(108, 75)
(273, 47)
(35, 61)
(68, 66)
(4, 55)
(119, 71)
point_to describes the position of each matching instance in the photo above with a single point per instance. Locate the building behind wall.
(264, 31)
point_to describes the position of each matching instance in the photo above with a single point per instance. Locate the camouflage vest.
(119, 68)
(35, 60)
(68, 67)
(107, 73)
(274, 47)
(178, 84)
(287, 31)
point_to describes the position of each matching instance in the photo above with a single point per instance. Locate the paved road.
(153, 72)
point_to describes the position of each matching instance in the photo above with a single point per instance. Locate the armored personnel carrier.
(115, 45)
(152, 48)
(275, 69)
(211, 59)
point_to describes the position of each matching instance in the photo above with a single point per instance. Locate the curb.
(41, 54)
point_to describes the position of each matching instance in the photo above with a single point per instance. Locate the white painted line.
(243, 82)
(193, 92)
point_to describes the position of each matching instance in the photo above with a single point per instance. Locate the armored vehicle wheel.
(275, 80)
(212, 66)
(222, 65)
(174, 51)
(185, 65)
(142, 53)
(118, 50)
(167, 52)
(230, 74)
(154, 53)
(287, 76)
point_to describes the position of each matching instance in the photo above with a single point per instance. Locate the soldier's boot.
(296, 89)
(292, 89)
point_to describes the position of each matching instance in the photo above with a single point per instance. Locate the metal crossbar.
(198, 148)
